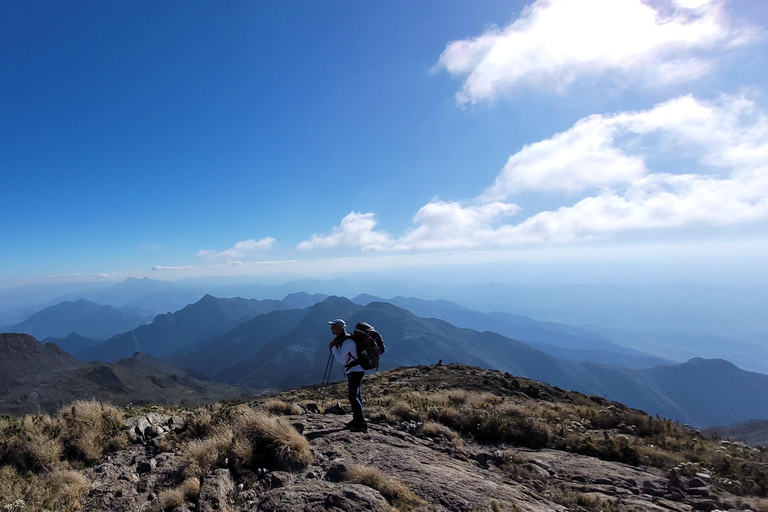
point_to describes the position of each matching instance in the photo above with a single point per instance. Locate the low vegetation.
(247, 439)
(39, 454)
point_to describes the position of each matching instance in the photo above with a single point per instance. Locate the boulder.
(151, 426)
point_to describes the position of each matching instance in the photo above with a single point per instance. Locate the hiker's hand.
(331, 344)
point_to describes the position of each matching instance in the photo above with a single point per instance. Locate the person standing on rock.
(344, 350)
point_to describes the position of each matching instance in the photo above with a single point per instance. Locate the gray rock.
(152, 425)
(706, 505)
(698, 482)
(654, 488)
(699, 491)
(216, 490)
(320, 496)
(336, 472)
(277, 479)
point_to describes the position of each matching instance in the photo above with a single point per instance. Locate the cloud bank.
(685, 162)
(241, 250)
(553, 43)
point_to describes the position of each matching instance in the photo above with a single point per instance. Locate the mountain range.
(271, 344)
(83, 317)
(42, 378)
(554, 338)
(194, 323)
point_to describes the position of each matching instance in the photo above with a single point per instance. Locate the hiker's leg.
(354, 380)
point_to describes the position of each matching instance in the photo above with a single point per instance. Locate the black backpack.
(370, 346)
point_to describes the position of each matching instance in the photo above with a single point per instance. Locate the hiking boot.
(354, 423)
(359, 427)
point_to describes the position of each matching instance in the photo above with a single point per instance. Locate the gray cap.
(339, 321)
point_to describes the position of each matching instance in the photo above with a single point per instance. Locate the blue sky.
(177, 139)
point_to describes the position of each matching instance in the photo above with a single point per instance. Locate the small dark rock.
(698, 482)
(699, 491)
(335, 409)
(653, 488)
(278, 479)
(146, 466)
(706, 505)
(336, 472)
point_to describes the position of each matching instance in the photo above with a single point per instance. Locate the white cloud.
(356, 229)
(582, 157)
(444, 224)
(240, 250)
(685, 162)
(658, 201)
(555, 42)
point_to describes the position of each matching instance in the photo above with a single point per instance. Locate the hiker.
(344, 350)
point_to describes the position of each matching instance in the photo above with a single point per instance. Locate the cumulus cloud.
(444, 224)
(685, 162)
(583, 157)
(356, 229)
(553, 43)
(727, 143)
(243, 249)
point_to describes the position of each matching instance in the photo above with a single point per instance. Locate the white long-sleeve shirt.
(346, 353)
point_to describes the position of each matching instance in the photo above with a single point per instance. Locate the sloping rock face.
(444, 476)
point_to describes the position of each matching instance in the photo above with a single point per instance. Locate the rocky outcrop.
(142, 429)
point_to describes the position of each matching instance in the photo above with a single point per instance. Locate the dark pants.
(355, 395)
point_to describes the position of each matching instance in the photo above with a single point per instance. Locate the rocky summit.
(439, 438)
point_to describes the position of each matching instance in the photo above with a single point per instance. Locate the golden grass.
(434, 429)
(251, 439)
(170, 499)
(70, 487)
(394, 491)
(211, 451)
(275, 437)
(273, 406)
(92, 428)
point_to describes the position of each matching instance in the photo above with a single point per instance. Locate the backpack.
(370, 346)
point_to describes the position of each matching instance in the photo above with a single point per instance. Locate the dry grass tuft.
(92, 429)
(274, 439)
(31, 444)
(190, 488)
(435, 429)
(70, 486)
(251, 439)
(402, 411)
(210, 452)
(170, 499)
(394, 491)
(280, 407)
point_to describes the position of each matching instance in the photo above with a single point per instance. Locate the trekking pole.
(326, 380)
